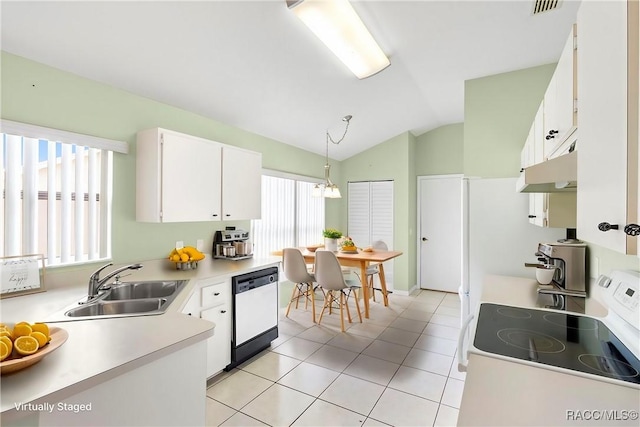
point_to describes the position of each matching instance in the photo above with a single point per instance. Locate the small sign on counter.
(21, 275)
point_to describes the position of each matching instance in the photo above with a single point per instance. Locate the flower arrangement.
(331, 233)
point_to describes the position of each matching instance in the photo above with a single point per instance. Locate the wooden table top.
(374, 256)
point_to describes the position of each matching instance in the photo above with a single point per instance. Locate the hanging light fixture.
(339, 27)
(328, 189)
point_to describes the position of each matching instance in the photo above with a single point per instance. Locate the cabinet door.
(602, 144)
(537, 209)
(242, 184)
(219, 345)
(190, 179)
(192, 307)
(559, 101)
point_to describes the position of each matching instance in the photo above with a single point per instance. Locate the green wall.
(41, 95)
(391, 160)
(498, 112)
(440, 151)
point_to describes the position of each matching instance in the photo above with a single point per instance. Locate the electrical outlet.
(179, 244)
(200, 244)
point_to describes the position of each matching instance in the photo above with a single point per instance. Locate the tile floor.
(397, 368)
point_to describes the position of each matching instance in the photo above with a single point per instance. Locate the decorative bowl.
(58, 337)
(314, 248)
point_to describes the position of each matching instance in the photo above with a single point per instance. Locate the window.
(56, 194)
(290, 216)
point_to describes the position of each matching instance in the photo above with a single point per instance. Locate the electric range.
(605, 349)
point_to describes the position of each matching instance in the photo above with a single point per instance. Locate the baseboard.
(405, 293)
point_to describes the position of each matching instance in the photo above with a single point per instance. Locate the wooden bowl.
(314, 248)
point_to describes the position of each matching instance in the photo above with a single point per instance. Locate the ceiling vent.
(540, 6)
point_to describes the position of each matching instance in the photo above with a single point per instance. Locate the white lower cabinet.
(219, 345)
(211, 300)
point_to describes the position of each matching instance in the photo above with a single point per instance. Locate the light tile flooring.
(397, 368)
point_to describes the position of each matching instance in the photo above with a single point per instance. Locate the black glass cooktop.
(564, 340)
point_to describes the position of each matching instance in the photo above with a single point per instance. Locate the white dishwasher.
(255, 308)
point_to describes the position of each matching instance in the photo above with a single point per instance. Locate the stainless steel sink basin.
(126, 299)
(136, 290)
(106, 308)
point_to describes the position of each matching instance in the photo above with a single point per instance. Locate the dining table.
(360, 259)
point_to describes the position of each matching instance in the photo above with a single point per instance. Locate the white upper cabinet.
(608, 134)
(242, 183)
(560, 100)
(182, 178)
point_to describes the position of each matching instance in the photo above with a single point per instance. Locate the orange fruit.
(41, 338)
(41, 327)
(4, 351)
(8, 342)
(21, 330)
(5, 333)
(26, 345)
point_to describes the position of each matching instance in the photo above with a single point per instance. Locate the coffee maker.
(568, 288)
(232, 243)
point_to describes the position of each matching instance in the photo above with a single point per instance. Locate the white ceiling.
(255, 66)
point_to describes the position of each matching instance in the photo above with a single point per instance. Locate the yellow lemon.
(40, 337)
(184, 257)
(41, 327)
(26, 345)
(21, 330)
(7, 342)
(4, 351)
(5, 333)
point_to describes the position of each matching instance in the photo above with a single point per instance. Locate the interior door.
(440, 233)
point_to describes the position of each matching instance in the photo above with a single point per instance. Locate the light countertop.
(99, 350)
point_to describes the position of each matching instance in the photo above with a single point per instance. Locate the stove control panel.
(623, 295)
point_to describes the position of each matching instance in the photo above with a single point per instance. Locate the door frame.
(420, 180)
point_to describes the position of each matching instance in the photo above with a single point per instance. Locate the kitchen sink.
(125, 299)
(136, 290)
(106, 308)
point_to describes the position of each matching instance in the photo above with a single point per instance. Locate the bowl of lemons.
(185, 258)
(24, 344)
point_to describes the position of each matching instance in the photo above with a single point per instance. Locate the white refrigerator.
(497, 236)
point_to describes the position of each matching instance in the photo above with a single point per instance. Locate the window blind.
(291, 217)
(56, 196)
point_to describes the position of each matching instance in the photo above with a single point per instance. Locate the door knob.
(605, 226)
(632, 229)
(424, 239)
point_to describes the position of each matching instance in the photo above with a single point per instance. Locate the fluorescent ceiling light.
(340, 28)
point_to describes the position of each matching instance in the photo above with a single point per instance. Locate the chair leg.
(358, 309)
(293, 296)
(313, 301)
(327, 301)
(373, 291)
(346, 304)
(341, 306)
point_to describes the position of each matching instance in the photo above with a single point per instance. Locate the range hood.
(555, 175)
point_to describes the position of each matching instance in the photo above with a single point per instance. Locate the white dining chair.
(295, 270)
(328, 274)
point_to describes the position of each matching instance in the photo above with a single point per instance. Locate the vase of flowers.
(331, 236)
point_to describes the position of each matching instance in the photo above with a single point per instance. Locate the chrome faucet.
(95, 282)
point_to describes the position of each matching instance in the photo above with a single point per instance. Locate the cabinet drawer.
(215, 294)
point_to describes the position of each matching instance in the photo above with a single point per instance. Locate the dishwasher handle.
(463, 360)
